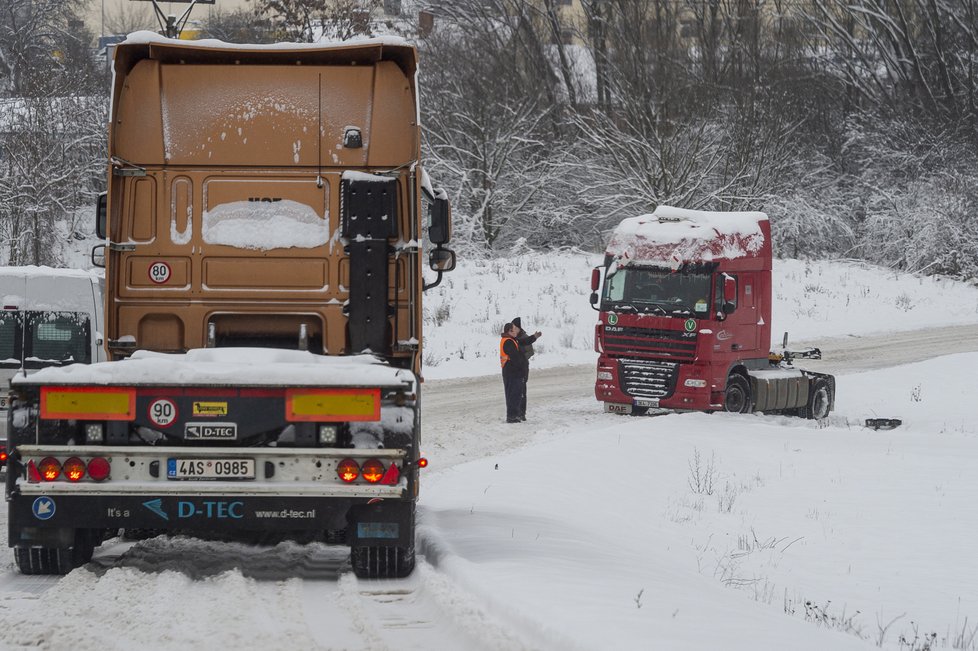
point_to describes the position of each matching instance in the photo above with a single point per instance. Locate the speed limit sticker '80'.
(162, 412)
(159, 272)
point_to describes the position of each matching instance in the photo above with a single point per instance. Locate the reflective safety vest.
(503, 357)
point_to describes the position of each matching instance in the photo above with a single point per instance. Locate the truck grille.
(644, 342)
(648, 379)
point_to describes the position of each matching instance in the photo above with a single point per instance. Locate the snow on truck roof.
(145, 37)
(670, 237)
(357, 50)
(248, 367)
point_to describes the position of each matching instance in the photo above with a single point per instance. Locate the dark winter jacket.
(526, 343)
(512, 358)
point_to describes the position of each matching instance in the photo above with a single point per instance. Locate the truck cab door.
(744, 319)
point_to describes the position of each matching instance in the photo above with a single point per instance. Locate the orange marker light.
(422, 463)
(348, 470)
(372, 470)
(74, 469)
(50, 468)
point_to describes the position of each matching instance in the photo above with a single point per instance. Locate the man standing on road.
(525, 342)
(514, 367)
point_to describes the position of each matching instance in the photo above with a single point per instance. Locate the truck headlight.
(604, 375)
(693, 383)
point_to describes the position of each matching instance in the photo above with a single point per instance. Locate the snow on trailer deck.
(222, 367)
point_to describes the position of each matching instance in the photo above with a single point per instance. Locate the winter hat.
(516, 322)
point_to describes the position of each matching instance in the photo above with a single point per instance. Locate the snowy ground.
(685, 531)
(824, 535)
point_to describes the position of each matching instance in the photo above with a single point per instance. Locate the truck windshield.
(50, 338)
(657, 291)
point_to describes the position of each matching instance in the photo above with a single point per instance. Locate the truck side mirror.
(729, 291)
(100, 216)
(595, 279)
(594, 300)
(98, 256)
(440, 230)
(441, 260)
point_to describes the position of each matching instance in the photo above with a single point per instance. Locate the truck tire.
(382, 562)
(43, 560)
(819, 402)
(56, 560)
(737, 398)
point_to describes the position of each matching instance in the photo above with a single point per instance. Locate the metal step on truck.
(684, 302)
(264, 225)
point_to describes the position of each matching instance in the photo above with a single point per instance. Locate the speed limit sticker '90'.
(159, 272)
(162, 412)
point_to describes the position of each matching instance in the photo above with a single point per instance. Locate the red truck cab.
(684, 301)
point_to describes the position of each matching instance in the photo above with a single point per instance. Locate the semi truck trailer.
(265, 255)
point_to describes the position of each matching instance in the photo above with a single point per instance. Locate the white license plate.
(649, 402)
(3, 402)
(617, 408)
(210, 468)
(211, 431)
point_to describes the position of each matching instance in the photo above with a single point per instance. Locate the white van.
(48, 317)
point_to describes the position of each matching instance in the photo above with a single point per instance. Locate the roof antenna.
(171, 26)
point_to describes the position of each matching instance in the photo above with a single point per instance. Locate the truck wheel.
(736, 398)
(819, 402)
(43, 560)
(56, 560)
(382, 562)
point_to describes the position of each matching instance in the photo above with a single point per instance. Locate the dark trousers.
(526, 377)
(514, 385)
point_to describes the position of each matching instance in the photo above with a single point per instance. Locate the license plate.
(211, 431)
(210, 468)
(617, 408)
(388, 530)
(3, 402)
(647, 402)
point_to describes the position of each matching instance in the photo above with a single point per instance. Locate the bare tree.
(308, 20)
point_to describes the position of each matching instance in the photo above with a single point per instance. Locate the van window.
(59, 337)
(9, 336)
(50, 338)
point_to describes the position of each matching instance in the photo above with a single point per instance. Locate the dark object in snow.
(883, 423)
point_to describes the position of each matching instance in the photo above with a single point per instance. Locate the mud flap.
(382, 524)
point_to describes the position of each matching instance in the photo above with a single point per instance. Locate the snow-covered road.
(194, 594)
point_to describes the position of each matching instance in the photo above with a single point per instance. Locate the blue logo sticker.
(43, 508)
(156, 506)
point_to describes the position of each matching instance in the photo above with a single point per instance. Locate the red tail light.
(348, 470)
(98, 469)
(50, 468)
(74, 469)
(373, 471)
